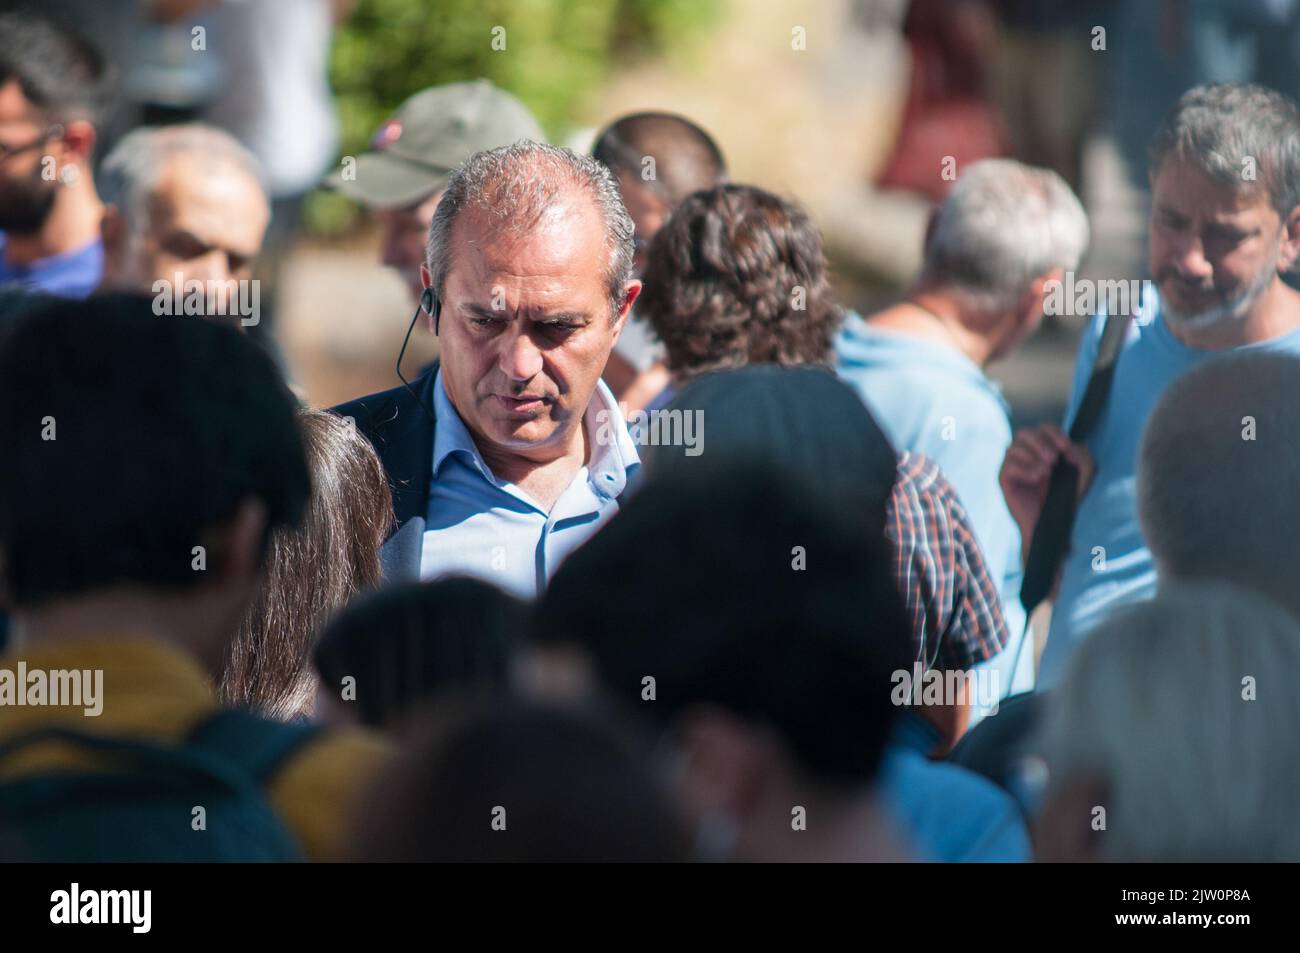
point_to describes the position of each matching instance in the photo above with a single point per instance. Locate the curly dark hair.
(737, 276)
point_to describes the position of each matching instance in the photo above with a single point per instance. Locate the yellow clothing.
(154, 692)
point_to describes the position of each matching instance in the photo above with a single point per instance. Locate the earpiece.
(432, 306)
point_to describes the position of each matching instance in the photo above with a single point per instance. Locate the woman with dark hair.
(738, 276)
(311, 571)
(390, 651)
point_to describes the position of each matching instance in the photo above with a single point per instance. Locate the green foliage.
(558, 52)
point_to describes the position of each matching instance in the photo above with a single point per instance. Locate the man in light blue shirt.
(510, 452)
(1004, 231)
(1219, 242)
(482, 526)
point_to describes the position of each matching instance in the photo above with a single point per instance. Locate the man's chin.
(522, 434)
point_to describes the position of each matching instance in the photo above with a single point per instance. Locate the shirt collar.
(613, 452)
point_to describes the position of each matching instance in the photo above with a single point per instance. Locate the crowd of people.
(669, 555)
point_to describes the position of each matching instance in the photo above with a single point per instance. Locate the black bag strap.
(1056, 522)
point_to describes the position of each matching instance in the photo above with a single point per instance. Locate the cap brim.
(383, 181)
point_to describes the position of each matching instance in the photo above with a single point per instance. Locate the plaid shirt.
(952, 601)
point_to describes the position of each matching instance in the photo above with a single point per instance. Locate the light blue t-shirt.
(931, 398)
(1108, 563)
(478, 525)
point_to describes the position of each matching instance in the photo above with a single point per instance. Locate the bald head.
(686, 159)
(1217, 475)
(658, 160)
(183, 201)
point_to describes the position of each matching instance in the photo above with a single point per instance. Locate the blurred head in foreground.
(495, 779)
(147, 463)
(1231, 514)
(809, 422)
(387, 654)
(758, 627)
(1171, 737)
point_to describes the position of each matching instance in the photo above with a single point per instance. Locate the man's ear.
(1289, 250)
(78, 143)
(631, 291)
(1032, 305)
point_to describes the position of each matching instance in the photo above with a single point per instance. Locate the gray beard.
(1230, 312)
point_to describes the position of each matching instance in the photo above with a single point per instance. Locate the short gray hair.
(1227, 128)
(513, 186)
(1003, 224)
(129, 173)
(1194, 762)
(1234, 421)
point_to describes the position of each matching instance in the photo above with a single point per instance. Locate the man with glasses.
(51, 84)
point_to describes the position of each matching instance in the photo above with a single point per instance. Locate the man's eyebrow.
(561, 317)
(554, 317)
(481, 312)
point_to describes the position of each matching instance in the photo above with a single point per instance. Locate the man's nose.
(214, 266)
(1189, 257)
(521, 359)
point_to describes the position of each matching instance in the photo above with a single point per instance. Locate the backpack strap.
(1056, 522)
(259, 746)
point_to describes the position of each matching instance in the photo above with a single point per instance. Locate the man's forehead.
(16, 107)
(1181, 186)
(186, 184)
(567, 244)
(221, 204)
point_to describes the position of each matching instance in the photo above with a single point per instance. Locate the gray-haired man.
(1225, 223)
(1003, 234)
(498, 458)
(185, 220)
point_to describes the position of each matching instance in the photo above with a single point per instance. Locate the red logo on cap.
(387, 134)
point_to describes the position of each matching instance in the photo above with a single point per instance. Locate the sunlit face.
(527, 327)
(404, 233)
(1213, 250)
(26, 196)
(206, 222)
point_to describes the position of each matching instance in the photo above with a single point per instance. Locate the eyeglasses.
(53, 132)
